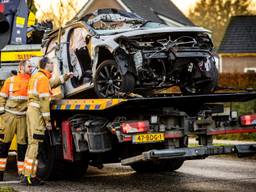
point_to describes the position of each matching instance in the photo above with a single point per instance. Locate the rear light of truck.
(134, 127)
(1, 8)
(247, 120)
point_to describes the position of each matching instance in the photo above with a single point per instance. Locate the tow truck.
(150, 134)
(20, 36)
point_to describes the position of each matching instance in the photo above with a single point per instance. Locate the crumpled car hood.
(143, 31)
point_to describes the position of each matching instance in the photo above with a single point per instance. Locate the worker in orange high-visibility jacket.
(13, 107)
(38, 116)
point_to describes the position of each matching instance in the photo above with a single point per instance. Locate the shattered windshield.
(108, 21)
(114, 21)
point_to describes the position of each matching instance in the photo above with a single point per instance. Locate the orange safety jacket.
(13, 95)
(40, 91)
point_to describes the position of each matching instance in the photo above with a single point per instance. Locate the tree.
(59, 13)
(215, 15)
(31, 6)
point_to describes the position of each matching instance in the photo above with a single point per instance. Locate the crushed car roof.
(114, 20)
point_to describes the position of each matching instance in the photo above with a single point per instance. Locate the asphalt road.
(212, 174)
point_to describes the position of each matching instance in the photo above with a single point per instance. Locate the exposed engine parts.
(161, 60)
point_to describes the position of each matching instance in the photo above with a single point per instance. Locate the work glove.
(68, 75)
(65, 77)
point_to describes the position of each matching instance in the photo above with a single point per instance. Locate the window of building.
(250, 70)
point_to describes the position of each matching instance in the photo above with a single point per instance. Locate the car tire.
(167, 165)
(189, 86)
(109, 81)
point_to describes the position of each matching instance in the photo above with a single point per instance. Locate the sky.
(183, 5)
(44, 4)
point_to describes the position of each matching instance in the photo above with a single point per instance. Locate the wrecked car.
(112, 51)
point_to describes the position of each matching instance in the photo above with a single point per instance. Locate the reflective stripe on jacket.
(13, 95)
(40, 91)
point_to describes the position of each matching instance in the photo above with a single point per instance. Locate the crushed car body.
(112, 51)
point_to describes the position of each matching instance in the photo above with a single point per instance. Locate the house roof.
(150, 9)
(240, 36)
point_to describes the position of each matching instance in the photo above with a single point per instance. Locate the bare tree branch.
(215, 15)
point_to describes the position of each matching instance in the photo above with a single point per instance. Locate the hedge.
(238, 80)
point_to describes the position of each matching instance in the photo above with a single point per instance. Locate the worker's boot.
(1, 175)
(32, 181)
(23, 180)
(4, 147)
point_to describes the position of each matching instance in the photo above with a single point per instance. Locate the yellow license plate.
(148, 138)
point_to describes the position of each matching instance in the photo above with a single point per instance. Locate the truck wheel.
(109, 81)
(157, 166)
(172, 164)
(60, 169)
(75, 170)
(68, 170)
(50, 167)
(46, 159)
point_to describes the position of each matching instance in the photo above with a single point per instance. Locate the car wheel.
(108, 81)
(190, 83)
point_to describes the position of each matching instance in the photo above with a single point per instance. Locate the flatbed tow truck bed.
(148, 102)
(201, 114)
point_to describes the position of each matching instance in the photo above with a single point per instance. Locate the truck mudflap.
(192, 153)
